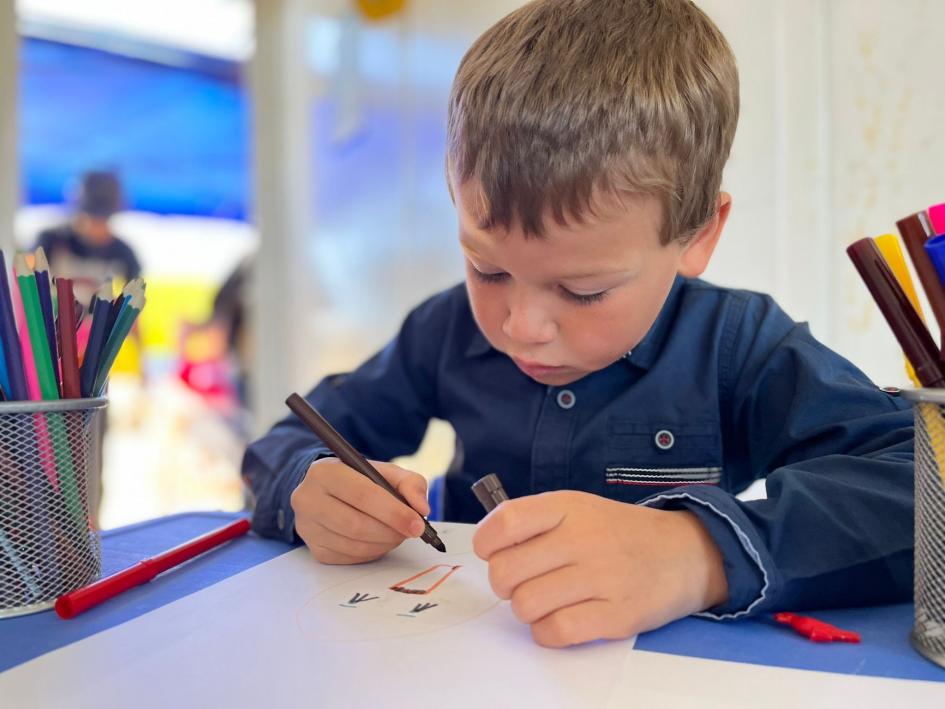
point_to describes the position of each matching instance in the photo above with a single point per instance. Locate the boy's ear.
(697, 253)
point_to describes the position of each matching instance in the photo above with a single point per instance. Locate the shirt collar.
(478, 344)
(646, 352)
(643, 355)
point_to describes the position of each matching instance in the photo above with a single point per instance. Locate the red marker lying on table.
(816, 630)
(82, 599)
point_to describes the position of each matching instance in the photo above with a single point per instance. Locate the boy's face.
(583, 295)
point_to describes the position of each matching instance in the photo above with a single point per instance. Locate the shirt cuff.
(279, 520)
(749, 569)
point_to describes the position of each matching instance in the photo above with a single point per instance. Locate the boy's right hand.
(344, 518)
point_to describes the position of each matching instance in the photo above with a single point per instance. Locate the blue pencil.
(93, 350)
(4, 376)
(41, 269)
(11, 342)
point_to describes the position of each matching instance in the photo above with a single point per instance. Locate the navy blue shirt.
(724, 389)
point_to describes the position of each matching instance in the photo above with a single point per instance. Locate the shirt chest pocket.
(653, 455)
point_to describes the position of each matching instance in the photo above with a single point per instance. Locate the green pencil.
(126, 318)
(37, 329)
(56, 433)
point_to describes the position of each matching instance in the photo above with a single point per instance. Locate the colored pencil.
(4, 374)
(116, 338)
(41, 270)
(26, 347)
(11, 340)
(93, 350)
(18, 564)
(37, 330)
(68, 349)
(51, 432)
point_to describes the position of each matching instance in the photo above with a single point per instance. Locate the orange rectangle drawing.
(434, 580)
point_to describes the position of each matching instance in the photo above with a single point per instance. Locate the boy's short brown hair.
(564, 102)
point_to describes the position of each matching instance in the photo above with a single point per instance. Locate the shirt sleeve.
(836, 528)
(382, 408)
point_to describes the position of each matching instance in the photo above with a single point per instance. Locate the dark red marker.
(907, 326)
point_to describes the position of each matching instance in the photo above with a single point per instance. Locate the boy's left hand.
(578, 567)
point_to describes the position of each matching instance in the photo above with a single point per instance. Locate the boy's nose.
(529, 324)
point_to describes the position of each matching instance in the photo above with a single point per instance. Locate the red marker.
(82, 599)
(816, 630)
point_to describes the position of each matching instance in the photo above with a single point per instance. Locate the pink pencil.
(32, 387)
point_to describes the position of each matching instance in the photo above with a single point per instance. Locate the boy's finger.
(541, 596)
(516, 521)
(374, 501)
(345, 520)
(538, 557)
(330, 556)
(575, 624)
(409, 484)
(356, 549)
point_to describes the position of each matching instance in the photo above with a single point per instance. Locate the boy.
(622, 402)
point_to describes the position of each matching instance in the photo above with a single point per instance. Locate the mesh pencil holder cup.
(928, 632)
(49, 461)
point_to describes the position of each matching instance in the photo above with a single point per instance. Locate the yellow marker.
(889, 247)
(892, 253)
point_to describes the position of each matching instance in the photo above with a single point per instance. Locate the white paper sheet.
(294, 633)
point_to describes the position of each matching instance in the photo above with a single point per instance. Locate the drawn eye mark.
(434, 581)
(358, 598)
(419, 608)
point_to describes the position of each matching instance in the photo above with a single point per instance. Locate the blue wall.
(179, 137)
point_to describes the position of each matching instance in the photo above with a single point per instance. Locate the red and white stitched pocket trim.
(663, 476)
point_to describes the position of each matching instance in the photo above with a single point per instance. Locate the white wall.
(838, 138)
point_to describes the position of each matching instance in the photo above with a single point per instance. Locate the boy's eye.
(489, 277)
(584, 299)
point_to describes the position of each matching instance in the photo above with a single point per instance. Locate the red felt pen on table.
(816, 630)
(75, 602)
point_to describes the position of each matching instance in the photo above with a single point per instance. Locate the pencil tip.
(438, 545)
(40, 260)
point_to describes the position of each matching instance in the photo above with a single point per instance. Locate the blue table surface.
(884, 651)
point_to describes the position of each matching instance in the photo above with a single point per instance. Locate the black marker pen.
(489, 491)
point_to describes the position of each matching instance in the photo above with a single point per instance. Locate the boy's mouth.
(536, 370)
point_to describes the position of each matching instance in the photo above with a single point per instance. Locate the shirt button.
(664, 439)
(280, 520)
(566, 399)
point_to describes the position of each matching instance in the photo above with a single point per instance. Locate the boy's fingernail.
(416, 527)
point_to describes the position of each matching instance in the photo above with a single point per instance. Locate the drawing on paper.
(370, 607)
(431, 584)
(358, 598)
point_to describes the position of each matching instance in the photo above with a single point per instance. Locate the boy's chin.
(562, 377)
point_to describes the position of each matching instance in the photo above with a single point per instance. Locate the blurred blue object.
(177, 136)
(435, 497)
